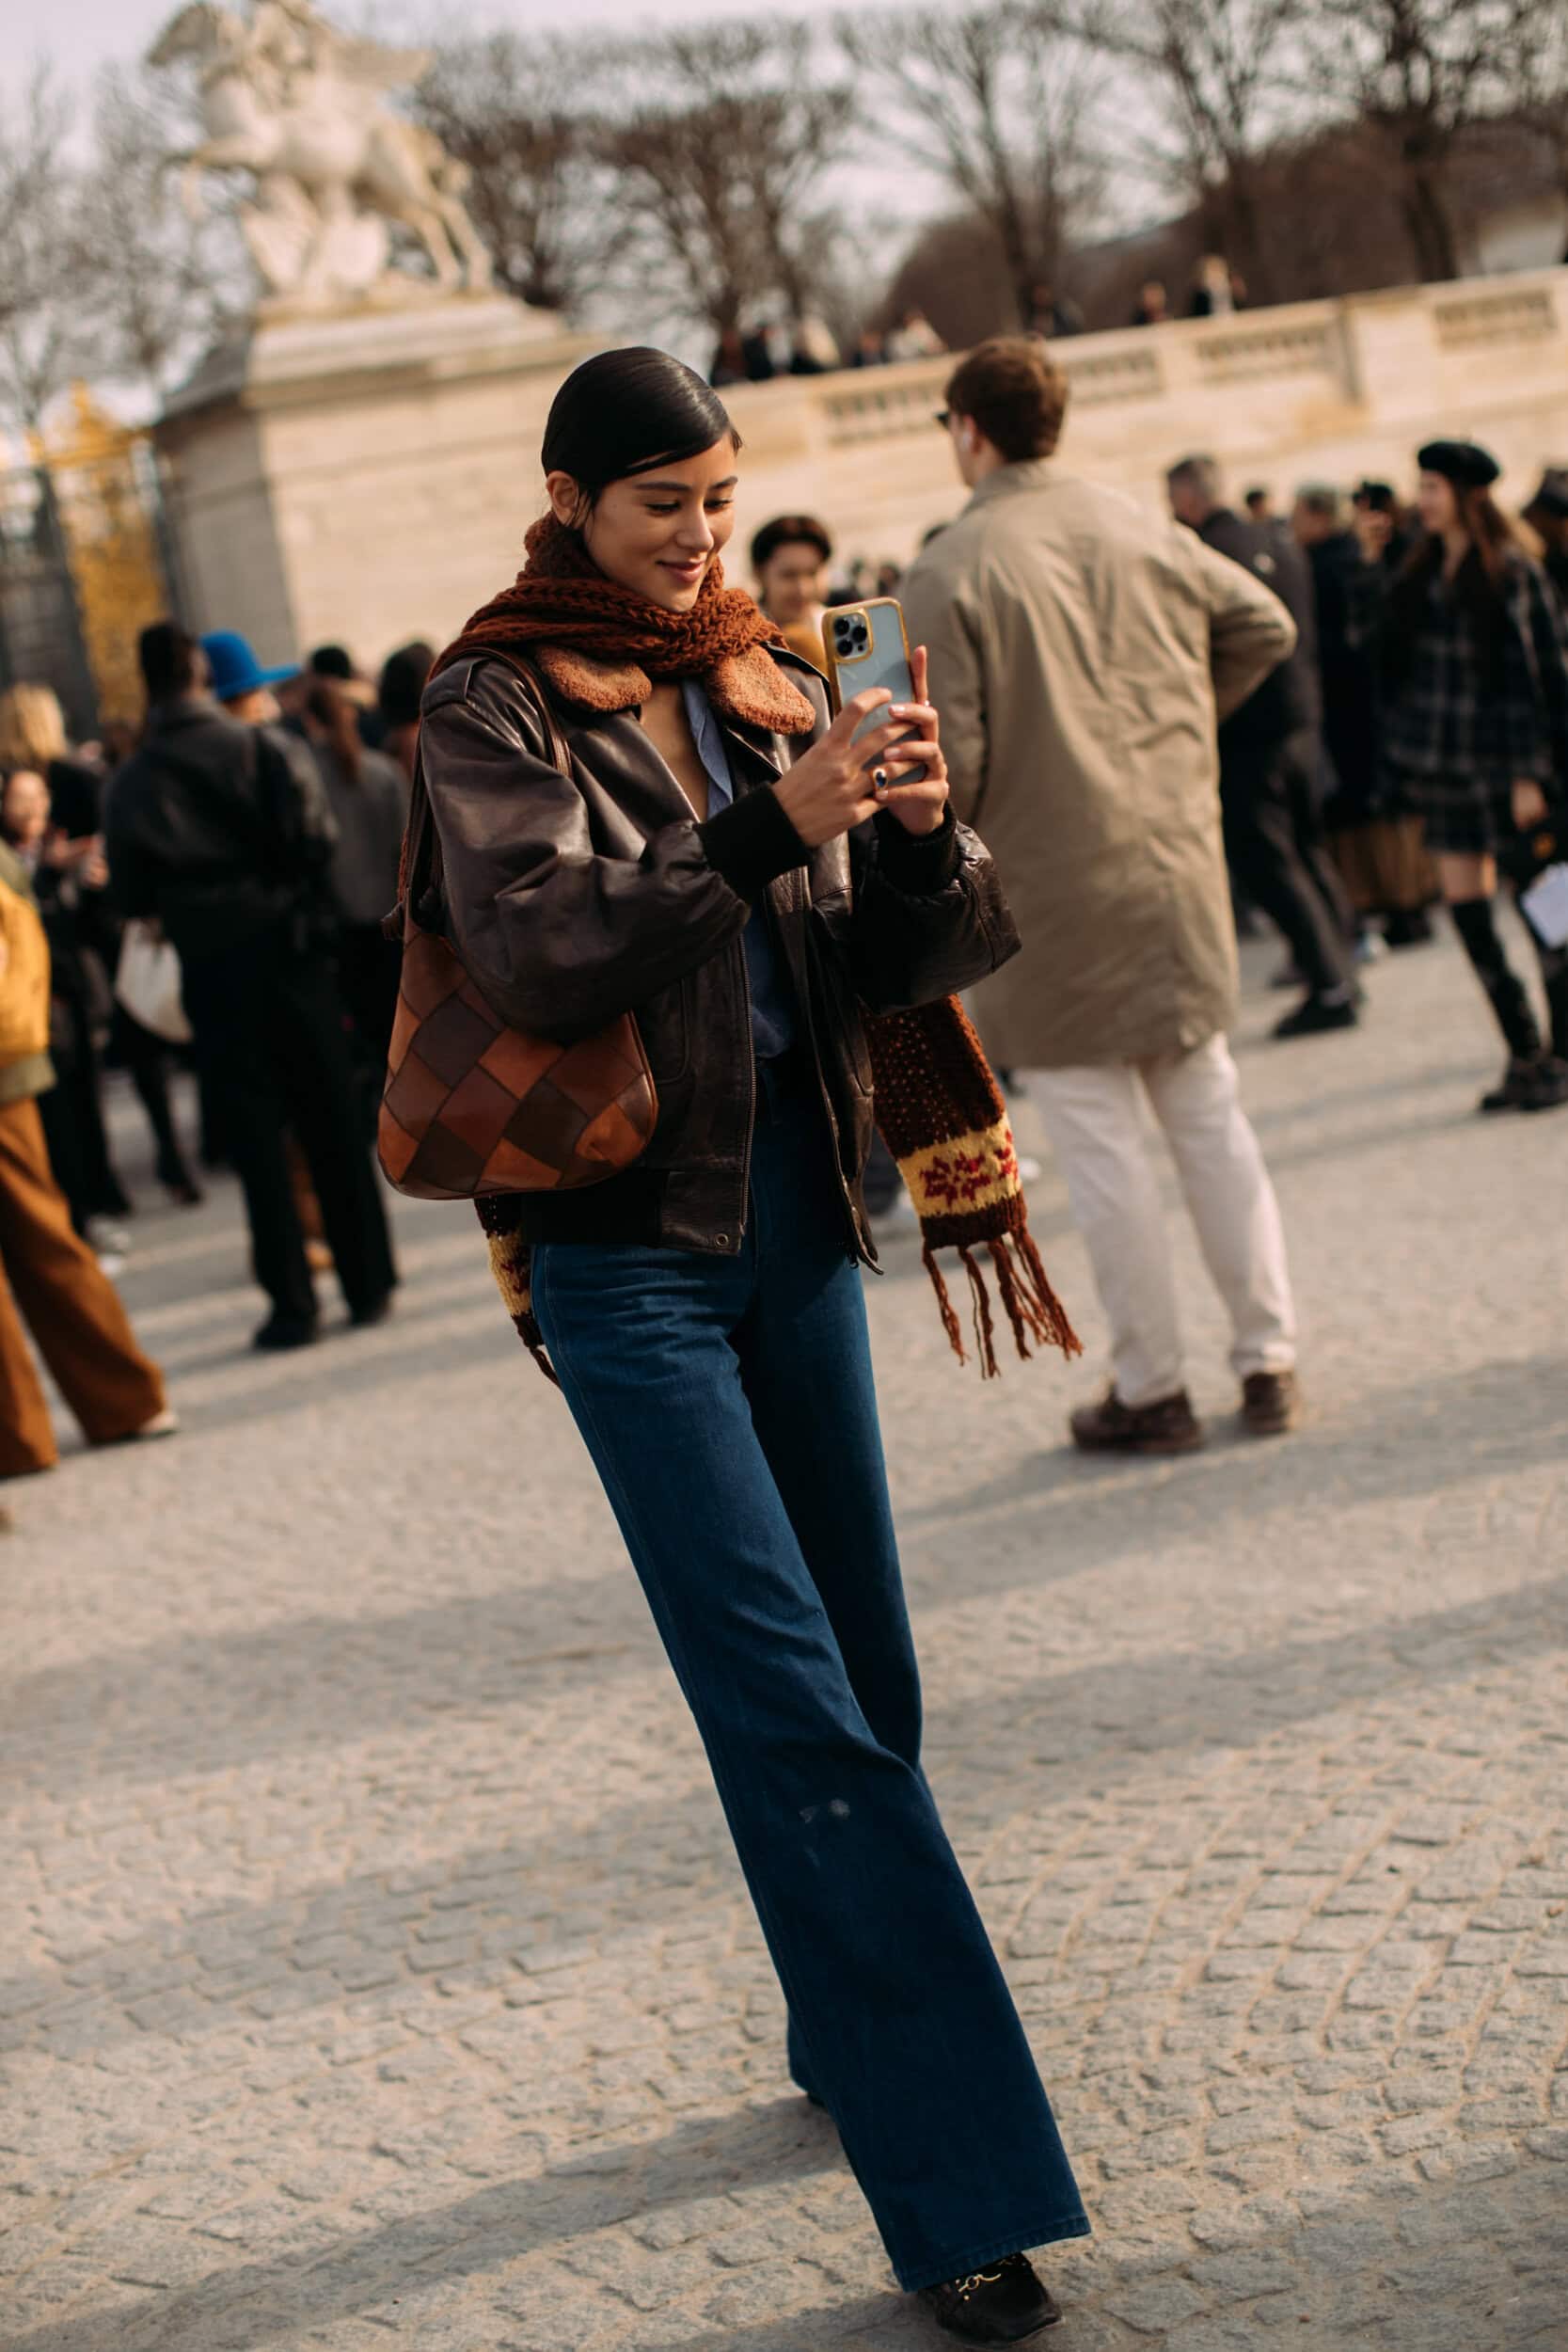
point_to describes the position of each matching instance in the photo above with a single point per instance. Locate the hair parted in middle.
(1015, 392)
(790, 531)
(623, 412)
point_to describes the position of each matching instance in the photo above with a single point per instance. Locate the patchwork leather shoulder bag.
(471, 1106)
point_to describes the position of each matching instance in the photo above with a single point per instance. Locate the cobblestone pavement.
(376, 1972)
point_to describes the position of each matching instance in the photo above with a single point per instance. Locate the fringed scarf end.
(950, 1322)
(1032, 1307)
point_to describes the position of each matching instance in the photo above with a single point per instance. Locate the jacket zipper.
(738, 967)
(798, 893)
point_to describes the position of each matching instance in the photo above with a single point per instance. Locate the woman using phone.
(722, 864)
(1474, 672)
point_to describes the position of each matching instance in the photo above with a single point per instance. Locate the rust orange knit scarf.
(561, 606)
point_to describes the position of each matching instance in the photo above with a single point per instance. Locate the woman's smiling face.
(660, 532)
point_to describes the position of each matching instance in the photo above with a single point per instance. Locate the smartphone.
(867, 644)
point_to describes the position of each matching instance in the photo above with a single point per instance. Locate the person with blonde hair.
(47, 1274)
(33, 735)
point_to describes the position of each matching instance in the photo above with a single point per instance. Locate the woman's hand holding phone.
(920, 806)
(830, 789)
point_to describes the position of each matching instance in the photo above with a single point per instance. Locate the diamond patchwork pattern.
(472, 1106)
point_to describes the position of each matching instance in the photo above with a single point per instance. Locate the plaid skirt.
(1466, 816)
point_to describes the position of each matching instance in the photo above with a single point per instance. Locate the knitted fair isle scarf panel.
(942, 1118)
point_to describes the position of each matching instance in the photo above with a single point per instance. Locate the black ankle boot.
(1005, 2304)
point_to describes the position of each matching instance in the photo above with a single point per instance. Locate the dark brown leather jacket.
(574, 900)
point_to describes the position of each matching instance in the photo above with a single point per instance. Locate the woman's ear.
(565, 498)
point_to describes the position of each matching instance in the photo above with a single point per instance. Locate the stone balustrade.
(369, 477)
(1329, 391)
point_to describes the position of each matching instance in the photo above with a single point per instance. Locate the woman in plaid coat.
(1473, 649)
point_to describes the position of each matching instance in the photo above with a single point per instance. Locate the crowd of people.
(247, 840)
(807, 345)
(770, 347)
(1125, 731)
(1357, 785)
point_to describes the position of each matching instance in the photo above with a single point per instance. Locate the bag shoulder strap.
(421, 877)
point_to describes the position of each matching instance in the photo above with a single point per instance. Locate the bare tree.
(1005, 97)
(1423, 73)
(1219, 76)
(153, 278)
(1534, 59)
(522, 116)
(717, 149)
(45, 333)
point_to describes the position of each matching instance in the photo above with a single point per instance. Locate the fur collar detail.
(749, 687)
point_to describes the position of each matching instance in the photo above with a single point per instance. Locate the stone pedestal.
(366, 476)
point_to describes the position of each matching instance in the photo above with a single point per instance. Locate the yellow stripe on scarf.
(974, 1171)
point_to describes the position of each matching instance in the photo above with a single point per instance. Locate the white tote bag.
(147, 983)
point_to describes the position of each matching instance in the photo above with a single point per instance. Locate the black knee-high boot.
(1554, 972)
(1473, 921)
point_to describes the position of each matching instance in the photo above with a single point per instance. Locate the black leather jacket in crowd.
(1290, 697)
(218, 830)
(573, 901)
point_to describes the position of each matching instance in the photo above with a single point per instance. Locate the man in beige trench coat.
(1082, 650)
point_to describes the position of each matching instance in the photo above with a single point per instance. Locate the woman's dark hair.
(333, 711)
(403, 681)
(625, 412)
(790, 531)
(1479, 586)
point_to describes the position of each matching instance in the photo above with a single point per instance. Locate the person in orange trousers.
(47, 1273)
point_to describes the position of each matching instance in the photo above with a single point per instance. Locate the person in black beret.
(1548, 516)
(1464, 464)
(1472, 647)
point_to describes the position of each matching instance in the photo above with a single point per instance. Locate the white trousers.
(1094, 1116)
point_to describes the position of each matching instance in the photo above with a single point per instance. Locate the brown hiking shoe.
(1271, 1403)
(1168, 1426)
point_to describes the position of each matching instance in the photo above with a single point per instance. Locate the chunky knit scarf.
(560, 605)
(938, 1104)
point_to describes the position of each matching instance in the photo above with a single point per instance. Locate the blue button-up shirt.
(772, 999)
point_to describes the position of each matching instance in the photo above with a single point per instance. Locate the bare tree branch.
(1225, 80)
(717, 150)
(1533, 65)
(1422, 74)
(522, 116)
(1000, 98)
(45, 337)
(151, 277)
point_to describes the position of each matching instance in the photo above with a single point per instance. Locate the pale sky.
(82, 35)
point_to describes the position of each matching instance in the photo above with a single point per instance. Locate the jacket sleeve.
(561, 939)
(941, 619)
(1250, 632)
(294, 800)
(929, 915)
(132, 876)
(1544, 631)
